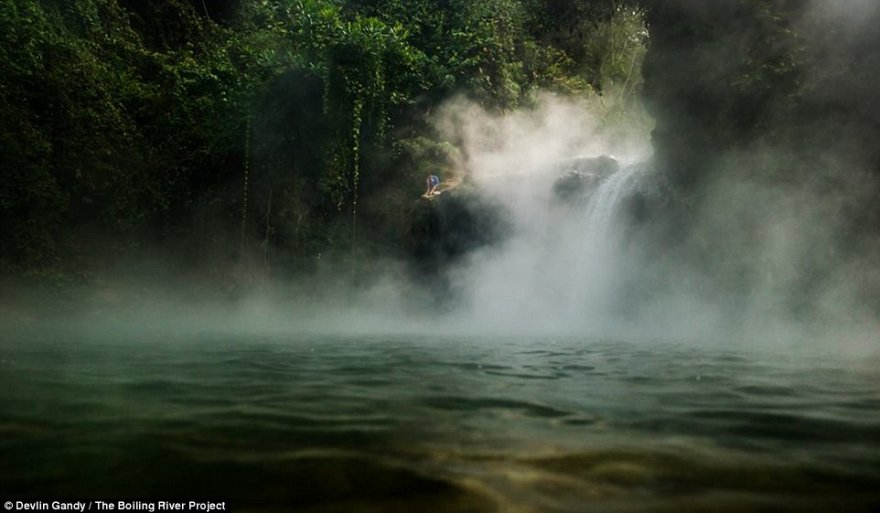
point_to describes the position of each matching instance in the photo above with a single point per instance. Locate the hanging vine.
(355, 89)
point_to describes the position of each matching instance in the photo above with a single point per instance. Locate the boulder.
(579, 177)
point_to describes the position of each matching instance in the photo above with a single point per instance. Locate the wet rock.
(448, 226)
(579, 177)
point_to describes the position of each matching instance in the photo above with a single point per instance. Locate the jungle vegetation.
(271, 130)
(278, 132)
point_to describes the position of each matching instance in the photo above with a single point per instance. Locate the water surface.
(368, 424)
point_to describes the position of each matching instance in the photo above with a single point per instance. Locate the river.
(447, 424)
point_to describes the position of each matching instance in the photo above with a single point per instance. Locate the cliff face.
(717, 77)
(768, 115)
(797, 78)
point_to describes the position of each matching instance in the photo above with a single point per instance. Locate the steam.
(761, 263)
(516, 144)
(579, 268)
(563, 265)
(585, 268)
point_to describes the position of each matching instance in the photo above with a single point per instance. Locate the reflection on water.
(338, 425)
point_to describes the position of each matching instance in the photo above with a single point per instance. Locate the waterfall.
(605, 202)
(600, 263)
(564, 263)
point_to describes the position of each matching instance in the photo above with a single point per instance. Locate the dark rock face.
(783, 95)
(579, 177)
(731, 76)
(714, 75)
(447, 227)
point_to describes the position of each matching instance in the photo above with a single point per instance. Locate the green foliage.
(615, 49)
(134, 121)
(104, 133)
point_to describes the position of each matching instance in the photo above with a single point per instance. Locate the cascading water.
(605, 201)
(564, 262)
(601, 263)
